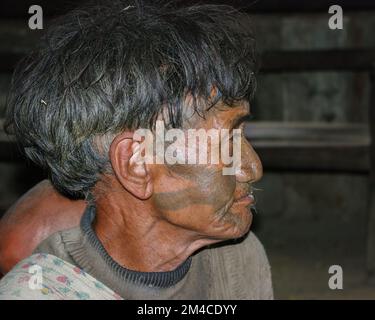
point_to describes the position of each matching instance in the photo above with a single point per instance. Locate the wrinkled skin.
(149, 217)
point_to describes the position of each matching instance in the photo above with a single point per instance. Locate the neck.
(137, 237)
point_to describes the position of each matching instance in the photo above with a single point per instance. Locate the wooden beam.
(19, 8)
(278, 61)
(8, 61)
(311, 146)
(371, 192)
(329, 159)
(9, 150)
(320, 132)
(318, 60)
(286, 146)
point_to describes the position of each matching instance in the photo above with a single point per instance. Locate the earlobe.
(130, 169)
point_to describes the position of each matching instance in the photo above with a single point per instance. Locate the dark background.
(313, 128)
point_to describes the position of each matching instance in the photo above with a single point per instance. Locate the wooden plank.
(323, 133)
(19, 8)
(371, 192)
(288, 6)
(8, 61)
(287, 146)
(9, 151)
(291, 158)
(359, 60)
(17, 37)
(317, 60)
(329, 159)
(311, 146)
(11, 9)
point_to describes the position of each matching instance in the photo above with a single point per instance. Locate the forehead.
(233, 111)
(220, 114)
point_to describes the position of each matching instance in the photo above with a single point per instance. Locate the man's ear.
(128, 167)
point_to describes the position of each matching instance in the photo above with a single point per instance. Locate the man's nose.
(251, 169)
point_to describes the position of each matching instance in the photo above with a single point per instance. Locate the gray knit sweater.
(231, 270)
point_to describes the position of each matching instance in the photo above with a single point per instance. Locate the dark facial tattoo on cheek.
(207, 186)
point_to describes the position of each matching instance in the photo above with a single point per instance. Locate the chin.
(235, 225)
(243, 229)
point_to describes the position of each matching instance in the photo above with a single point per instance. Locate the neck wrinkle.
(161, 279)
(138, 237)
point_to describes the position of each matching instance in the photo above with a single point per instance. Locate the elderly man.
(151, 229)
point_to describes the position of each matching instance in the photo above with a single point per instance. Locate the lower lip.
(245, 200)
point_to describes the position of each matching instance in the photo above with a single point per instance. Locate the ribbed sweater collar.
(151, 279)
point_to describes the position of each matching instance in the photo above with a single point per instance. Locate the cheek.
(217, 189)
(194, 189)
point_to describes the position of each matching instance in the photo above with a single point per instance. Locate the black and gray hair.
(109, 67)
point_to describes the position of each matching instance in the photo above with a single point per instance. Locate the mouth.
(246, 199)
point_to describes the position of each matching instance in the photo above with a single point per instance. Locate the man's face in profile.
(199, 197)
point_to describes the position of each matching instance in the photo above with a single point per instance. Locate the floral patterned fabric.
(47, 277)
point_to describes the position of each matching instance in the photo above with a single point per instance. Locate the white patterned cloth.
(47, 277)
